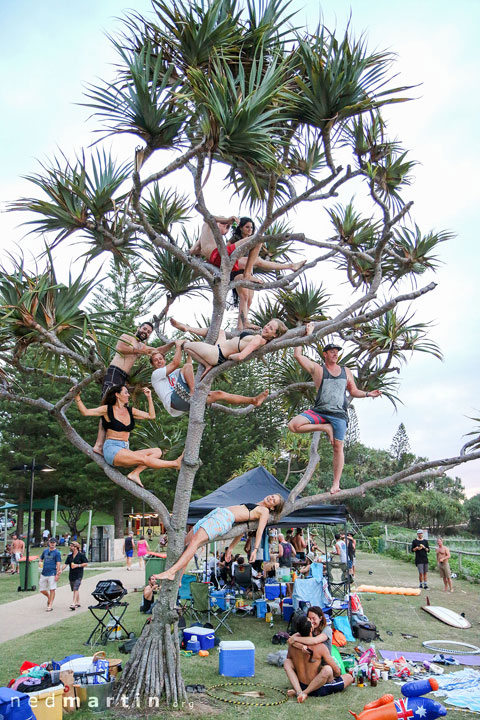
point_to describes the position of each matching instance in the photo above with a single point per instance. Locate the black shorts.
(75, 584)
(328, 689)
(114, 376)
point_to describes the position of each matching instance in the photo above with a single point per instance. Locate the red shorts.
(215, 258)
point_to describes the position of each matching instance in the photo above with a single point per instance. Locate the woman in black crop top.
(119, 420)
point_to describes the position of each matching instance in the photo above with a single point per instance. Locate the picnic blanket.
(461, 689)
(421, 657)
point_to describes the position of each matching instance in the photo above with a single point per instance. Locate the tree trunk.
(37, 525)
(21, 500)
(153, 671)
(118, 515)
(48, 520)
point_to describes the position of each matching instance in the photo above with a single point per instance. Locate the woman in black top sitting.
(119, 420)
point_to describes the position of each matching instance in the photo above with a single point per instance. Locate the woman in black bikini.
(236, 348)
(119, 421)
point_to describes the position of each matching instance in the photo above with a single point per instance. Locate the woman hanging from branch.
(236, 348)
(119, 420)
(220, 521)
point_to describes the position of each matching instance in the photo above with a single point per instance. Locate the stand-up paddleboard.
(449, 617)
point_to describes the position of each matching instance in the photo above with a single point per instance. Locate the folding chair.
(242, 579)
(337, 574)
(185, 599)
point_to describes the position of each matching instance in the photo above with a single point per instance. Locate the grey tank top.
(332, 394)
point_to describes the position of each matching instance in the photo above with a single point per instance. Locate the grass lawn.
(392, 613)
(9, 584)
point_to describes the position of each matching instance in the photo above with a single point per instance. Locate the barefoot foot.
(178, 461)
(98, 449)
(135, 478)
(296, 266)
(252, 278)
(260, 398)
(178, 325)
(250, 326)
(329, 434)
(291, 693)
(167, 575)
(207, 370)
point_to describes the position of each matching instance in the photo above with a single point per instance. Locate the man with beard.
(127, 350)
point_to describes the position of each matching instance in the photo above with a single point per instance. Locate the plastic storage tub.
(275, 590)
(47, 704)
(236, 658)
(205, 636)
(217, 597)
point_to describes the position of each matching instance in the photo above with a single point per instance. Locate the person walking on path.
(329, 413)
(142, 550)
(52, 561)
(76, 562)
(17, 549)
(443, 556)
(421, 549)
(128, 548)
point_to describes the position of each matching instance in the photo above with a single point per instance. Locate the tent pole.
(326, 552)
(5, 530)
(88, 533)
(349, 608)
(308, 537)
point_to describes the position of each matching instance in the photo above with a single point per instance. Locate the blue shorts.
(129, 553)
(216, 523)
(111, 448)
(339, 425)
(180, 398)
(337, 685)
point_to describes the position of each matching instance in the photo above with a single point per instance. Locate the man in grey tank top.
(329, 413)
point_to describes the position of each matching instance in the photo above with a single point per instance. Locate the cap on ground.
(331, 346)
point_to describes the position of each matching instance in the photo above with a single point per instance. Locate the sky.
(51, 50)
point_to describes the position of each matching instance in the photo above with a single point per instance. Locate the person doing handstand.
(311, 669)
(174, 385)
(329, 413)
(218, 522)
(236, 348)
(119, 421)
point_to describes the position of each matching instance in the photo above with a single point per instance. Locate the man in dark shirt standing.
(421, 549)
(76, 562)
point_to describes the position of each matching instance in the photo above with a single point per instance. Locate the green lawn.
(392, 613)
(9, 584)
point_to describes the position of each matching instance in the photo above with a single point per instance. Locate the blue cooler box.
(260, 608)
(275, 590)
(287, 609)
(205, 636)
(15, 705)
(236, 658)
(217, 597)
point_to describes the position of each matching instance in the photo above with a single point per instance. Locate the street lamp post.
(24, 468)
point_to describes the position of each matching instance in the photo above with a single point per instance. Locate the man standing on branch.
(329, 413)
(127, 350)
(175, 384)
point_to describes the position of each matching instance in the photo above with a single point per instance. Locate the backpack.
(338, 638)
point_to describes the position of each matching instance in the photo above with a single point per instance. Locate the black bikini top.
(250, 507)
(117, 425)
(242, 335)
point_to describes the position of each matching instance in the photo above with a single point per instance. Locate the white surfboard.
(449, 617)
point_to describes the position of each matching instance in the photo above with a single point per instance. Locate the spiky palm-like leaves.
(163, 208)
(293, 307)
(414, 252)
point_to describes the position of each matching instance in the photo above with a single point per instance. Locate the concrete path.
(21, 617)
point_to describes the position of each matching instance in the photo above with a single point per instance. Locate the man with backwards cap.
(421, 549)
(329, 413)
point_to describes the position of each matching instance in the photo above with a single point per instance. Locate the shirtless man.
(329, 413)
(207, 248)
(175, 384)
(127, 350)
(17, 550)
(311, 669)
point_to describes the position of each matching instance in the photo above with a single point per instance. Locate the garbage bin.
(154, 564)
(32, 580)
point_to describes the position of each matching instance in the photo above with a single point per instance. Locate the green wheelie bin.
(154, 564)
(32, 579)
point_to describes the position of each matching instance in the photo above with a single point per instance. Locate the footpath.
(28, 614)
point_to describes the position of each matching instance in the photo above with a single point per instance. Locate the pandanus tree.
(292, 119)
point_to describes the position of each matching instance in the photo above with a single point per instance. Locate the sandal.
(72, 607)
(49, 609)
(77, 605)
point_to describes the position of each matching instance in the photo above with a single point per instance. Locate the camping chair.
(337, 574)
(242, 579)
(185, 599)
(202, 609)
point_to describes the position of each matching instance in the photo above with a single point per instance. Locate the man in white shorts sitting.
(175, 384)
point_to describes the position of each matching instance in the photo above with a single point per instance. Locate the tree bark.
(48, 520)
(118, 515)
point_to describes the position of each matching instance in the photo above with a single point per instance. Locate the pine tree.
(400, 444)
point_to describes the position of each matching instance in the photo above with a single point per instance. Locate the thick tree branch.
(175, 165)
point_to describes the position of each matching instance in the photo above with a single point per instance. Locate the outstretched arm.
(356, 392)
(128, 345)
(307, 364)
(89, 412)
(177, 358)
(262, 523)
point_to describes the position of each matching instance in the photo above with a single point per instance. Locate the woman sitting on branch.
(119, 420)
(236, 348)
(220, 521)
